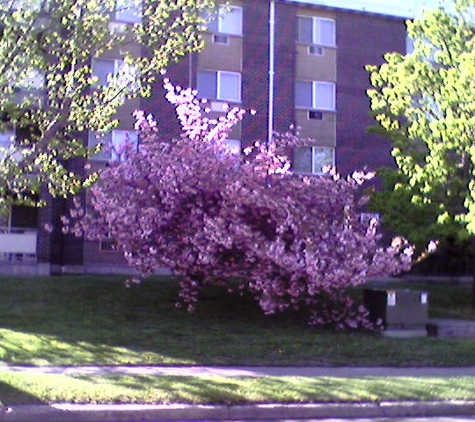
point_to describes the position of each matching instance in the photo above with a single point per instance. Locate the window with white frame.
(317, 95)
(7, 138)
(315, 30)
(313, 160)
(129, 11)
(228, 21)
(409, 45)
(367, 217)
(30, 5)
(32, 79)
(219, 85)
(116, 71)
(234, 146)
(105, 69)
(113, 143)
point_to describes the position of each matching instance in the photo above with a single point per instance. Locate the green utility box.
(397, 309)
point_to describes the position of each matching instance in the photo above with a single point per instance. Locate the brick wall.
(255, 76)
(284, 103)
(361, 40)
(181, 74)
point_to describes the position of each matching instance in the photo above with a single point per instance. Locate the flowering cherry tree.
(210, 215)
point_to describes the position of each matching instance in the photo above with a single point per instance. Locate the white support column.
(270, 124)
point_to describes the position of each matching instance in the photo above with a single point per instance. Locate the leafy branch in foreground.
(424, 101)
(51, 93)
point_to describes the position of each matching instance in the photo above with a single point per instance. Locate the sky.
(404, 8)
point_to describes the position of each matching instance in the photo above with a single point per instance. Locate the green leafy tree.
(49, 92)
(425, 102)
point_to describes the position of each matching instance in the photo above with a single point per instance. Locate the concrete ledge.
(451, 328)
(405, 333)
(131, 412)
(24, 268)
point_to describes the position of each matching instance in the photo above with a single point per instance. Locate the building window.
(234, 146)
(409, 45)
(7, 138)
(105, 69)
(108, 244)
(313, 30)
(30, 5)
(228, 21)
(367, 217)
(116, 72)
(313, 160)
(219, 85)
(32, 79)
(113, 143)
(315, 95)
(128, 11)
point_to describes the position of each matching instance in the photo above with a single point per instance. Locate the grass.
(82, 320)
(20, 388)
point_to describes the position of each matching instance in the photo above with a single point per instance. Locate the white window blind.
(7, 138)
(313, 160)
(128, 11)
(234, 145)
(318, 95)
(315, 30)
(228, 21)
(219, 85)
(113, 143)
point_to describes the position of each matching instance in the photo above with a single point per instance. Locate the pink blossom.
(293, 242)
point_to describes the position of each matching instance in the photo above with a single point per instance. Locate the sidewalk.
(135, 412)
(250, 371)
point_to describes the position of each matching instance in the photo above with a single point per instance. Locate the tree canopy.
(425, 101)
(50, 93)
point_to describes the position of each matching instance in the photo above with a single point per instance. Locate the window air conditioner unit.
(315, 50)
(219, 106)
(315, 115)
(220, 39)
(117, 27)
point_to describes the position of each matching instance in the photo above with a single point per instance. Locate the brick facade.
(361, 39)
(255, 75)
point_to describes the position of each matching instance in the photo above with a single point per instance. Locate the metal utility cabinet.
(397, 309)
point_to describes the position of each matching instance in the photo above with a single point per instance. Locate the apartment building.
(296, 62)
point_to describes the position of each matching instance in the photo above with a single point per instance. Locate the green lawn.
(36, 389)
(81, 320)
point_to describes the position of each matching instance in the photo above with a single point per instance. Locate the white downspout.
(270, 124)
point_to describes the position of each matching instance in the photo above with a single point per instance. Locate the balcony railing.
(18, 244)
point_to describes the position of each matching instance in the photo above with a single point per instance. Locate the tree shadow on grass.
(165, 389)
(11, 395)
(93, 320)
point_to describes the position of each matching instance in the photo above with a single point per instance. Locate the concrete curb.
(133, 412)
